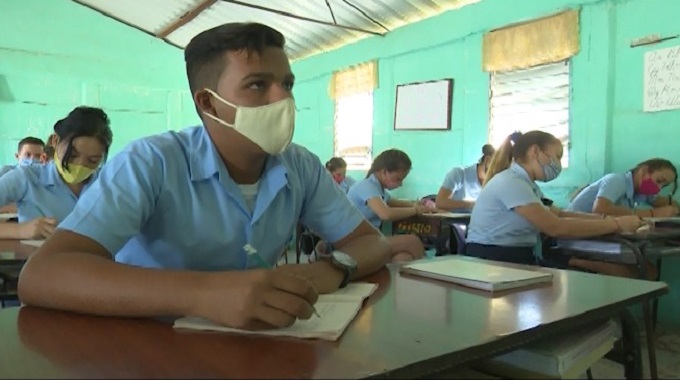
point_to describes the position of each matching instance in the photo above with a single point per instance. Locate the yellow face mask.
(75, 173)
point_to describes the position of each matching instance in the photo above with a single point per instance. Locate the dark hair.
(335, 163)
(390, 160)
(204, 55)
(30, 141)
(516, 146)
(49, 151)
(655, 164)
(487, 151)
(84, 121)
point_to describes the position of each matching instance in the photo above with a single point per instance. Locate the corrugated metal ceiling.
(304, 38)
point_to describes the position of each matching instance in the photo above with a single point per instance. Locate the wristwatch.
(346, 264)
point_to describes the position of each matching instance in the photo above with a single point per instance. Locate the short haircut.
(30, 141)
(204, 55)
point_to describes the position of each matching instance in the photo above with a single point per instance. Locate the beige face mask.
(270, 127)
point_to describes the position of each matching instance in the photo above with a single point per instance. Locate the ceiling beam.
(286, 14)
(185, 18)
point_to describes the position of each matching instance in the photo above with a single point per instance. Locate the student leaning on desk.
(46, 194)
(461, 186)
(179, 223)
(510, 214)
(621, 193)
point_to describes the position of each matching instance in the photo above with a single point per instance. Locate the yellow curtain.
(548, 40)
(354, 80)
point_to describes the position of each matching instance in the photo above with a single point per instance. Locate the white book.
(476, 274)
(564, 357)
(336, 311)
(33, 243)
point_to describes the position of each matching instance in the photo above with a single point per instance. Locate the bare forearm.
(400, 203)
(371, 252)
(579, 215)
(91, 284)
(400, 213)
(623, 211)
(9, 231)
(579, 228)
(451, 204)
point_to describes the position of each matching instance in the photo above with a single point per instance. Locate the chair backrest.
(457, 238)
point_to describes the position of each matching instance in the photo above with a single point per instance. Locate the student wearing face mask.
(31, 151)
(510, 215)
(191, 222)
(620, 193)
(462, 185)
(46, 194)
(337, 167)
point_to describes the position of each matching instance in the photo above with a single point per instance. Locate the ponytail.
(502, 158)
(390, 160)
(516, 147)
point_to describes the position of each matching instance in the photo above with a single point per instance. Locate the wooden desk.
(391, 337)
(432, 228)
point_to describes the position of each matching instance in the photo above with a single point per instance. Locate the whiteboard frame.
(449, 97)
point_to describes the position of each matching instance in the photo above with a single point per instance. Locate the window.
(531, 99)
(354, 129)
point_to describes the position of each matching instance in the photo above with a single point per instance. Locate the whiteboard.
(424, 105)
(662, 80)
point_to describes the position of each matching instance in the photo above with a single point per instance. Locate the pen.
(252, 252)
(635, 209)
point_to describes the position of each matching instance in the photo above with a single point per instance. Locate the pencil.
(252, 252)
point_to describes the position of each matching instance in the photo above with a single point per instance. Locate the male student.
(185, 223)
(31, 150)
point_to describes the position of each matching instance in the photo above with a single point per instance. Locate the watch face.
(344, 259)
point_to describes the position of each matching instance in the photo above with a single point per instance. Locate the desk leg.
(651, 347)
(655, 303)
(631, 347)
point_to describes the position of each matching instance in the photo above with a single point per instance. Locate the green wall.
(55, 55)
(609, 131)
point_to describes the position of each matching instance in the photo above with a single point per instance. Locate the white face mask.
(270, 127)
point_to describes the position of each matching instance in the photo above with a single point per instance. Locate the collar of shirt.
(630, 187)
(209, 163)
(522, 173)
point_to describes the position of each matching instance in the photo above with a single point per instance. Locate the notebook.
(565, 357)
(476, 274)
(336, 311)
(33, 243)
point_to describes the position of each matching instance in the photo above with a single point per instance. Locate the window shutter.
(531, 99)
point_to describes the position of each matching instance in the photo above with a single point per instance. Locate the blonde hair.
(516, 147)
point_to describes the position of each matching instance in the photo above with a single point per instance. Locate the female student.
(46, 194)
(462, 185)
(338, 169)
(620, 193)
(510, 214)
(370, 195)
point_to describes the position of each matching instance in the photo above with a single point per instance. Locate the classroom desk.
(396, 335)
(434, 228)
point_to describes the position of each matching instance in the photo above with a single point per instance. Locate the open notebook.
(476, 274)
(337, 310)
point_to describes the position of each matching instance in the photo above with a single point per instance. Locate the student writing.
(621, 193)
(46, 194)
(509, 215)
(462, 185)
(164, 230)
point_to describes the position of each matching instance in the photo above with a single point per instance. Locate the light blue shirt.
(362, 191)
(463, 183)
(346, 184)
(6, 169)
(494, 221)
(39, 191)
(167, 201)
(616, 187)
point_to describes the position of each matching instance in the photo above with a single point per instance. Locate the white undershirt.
(250, 194)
